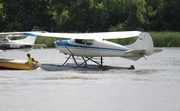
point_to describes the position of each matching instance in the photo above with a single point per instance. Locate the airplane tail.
(29, 40)
(143, 45)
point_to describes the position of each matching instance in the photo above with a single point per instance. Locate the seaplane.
(25, 44)
(93, 45)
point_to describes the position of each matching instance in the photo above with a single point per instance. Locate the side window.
(80, 41)
(83, 41)
(89, 42)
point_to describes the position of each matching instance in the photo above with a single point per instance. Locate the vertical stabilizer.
(29, 40)
(143, 42)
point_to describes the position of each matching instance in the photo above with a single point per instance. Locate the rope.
(53, 55)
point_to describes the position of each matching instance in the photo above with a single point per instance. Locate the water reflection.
(146, 71)
(69, 78)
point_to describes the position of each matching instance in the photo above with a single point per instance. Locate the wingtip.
(29, 34)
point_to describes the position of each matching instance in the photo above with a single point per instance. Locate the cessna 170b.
(89, 45)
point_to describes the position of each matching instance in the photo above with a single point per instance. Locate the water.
(153, 86)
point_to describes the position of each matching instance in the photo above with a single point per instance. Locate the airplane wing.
(5, 34)
(100, 35)
(15, 34)
(115, 35)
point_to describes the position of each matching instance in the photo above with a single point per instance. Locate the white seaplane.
(24, 44)
(90, 45)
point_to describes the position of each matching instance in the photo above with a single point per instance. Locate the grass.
(166, 39)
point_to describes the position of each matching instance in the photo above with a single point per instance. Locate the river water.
(153, 86)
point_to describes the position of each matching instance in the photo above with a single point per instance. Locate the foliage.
(166, 39)
(90, 15)
(24, 14)
(94, 16)
(48, 41)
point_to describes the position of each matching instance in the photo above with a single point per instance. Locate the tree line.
(90, 15)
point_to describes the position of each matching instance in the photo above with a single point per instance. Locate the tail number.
(140, 38)
(14, 46)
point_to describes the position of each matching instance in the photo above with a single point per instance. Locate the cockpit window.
(83, 41)
(89, 42)
(80, 41)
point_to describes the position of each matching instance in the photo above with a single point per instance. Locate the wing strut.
(66, 60)
(85, 61)
(91, 59)
(69, 55)
(73, 59)
(101, 61)
(66, 47)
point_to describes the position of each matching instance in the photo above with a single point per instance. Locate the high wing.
(4, 37)
(28, 40)
(8, 34)
(99, 35)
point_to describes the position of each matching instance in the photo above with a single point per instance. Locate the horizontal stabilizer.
(10, 36)
(157, 50)
(7, 34)
(135, 52)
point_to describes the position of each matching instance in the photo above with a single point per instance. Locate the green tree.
(2, 16)
(136, 10)
(127, 14)
(171, 15)
(76, 17)
(154, 14)
(24, 14)
(91, 15)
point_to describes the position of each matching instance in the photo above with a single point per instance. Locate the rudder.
(30, 40)
(143, 42)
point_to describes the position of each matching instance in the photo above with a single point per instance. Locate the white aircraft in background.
(89, 45)
(24, 44)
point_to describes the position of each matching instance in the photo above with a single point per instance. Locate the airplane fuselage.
(94, 48)
(90, 45)
(10, 46)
